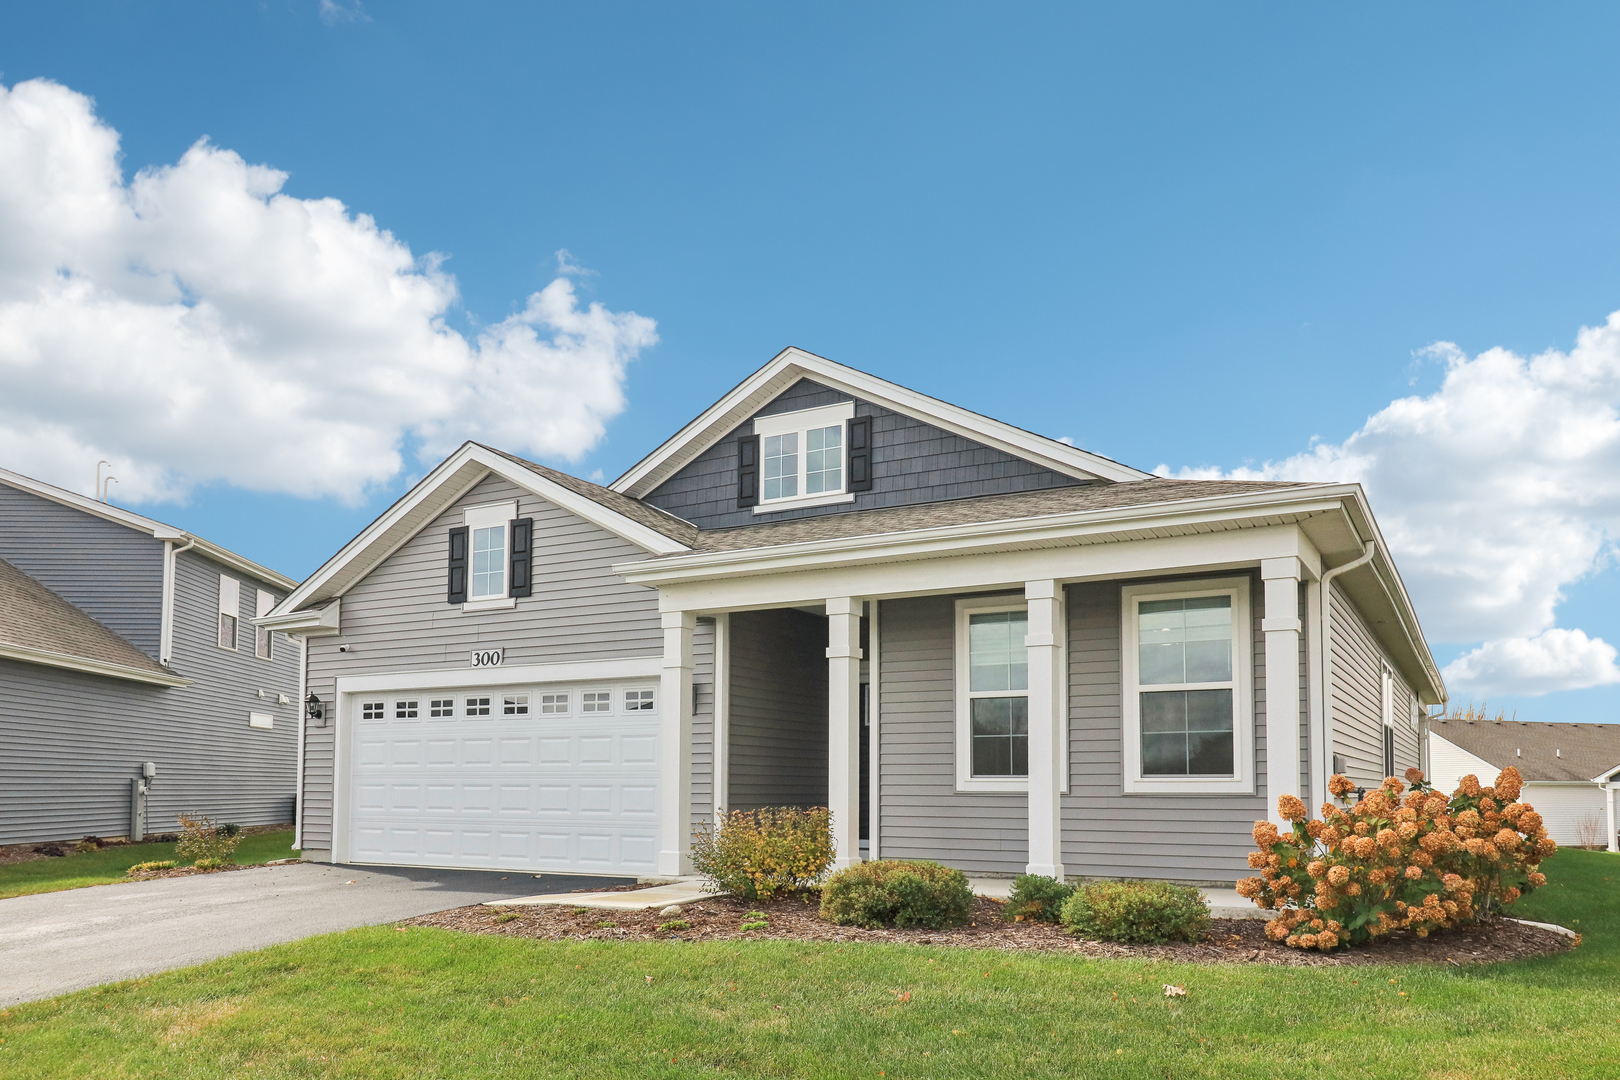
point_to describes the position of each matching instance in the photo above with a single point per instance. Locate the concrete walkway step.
(680, 892)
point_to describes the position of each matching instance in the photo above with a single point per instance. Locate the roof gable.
(645, 526)
(38, 626)
(788, 367)
(1542, 752)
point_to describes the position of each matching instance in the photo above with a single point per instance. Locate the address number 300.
(488, 658)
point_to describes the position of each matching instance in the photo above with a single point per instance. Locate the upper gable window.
(802, 457)
(496, 567)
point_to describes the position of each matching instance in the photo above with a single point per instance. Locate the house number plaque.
(488, 658)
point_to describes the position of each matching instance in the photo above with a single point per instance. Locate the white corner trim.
(507, 674)
(1242, 782)
(776, 506)
(90, 667)
(792, 364)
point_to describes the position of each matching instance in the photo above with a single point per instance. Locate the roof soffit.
(793, 364)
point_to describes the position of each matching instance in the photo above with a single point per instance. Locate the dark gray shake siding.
(1105, 832)
(912, 462)
(109, 571)
(396, 619)
(69, 742)
(1358, 722)
(778, 711)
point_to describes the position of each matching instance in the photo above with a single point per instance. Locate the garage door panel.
(552, 790)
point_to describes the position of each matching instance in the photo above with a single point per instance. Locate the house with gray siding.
(973, 643)
(123, 642)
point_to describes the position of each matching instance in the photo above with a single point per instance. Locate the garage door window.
(373, 710)
(638, 700)
(441, 707)
(515, 705)
(478, 706)
(554, 704)
(598, 701)
(404, 710)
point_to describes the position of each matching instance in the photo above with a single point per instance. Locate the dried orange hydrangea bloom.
(1422, 863)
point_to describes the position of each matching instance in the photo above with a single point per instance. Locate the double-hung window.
(992, 694)
(802, 457)
(230, 607)
(1188, 723)
(488, 555)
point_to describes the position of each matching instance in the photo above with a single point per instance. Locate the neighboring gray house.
(125, 641)
(975, 644)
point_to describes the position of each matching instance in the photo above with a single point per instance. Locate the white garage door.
(541, 777)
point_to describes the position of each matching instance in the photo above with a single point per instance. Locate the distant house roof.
(1540, 751)
(40, 627)
(981, 508)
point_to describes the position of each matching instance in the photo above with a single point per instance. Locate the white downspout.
(298, 791)
(166, 616)
(1324, 756)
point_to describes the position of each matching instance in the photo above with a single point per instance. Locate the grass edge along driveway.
(383, 1002)
(109, 864)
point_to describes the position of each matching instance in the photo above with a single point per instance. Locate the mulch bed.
(192, 871)
(1240, 941)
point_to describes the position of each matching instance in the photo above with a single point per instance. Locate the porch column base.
(675, 745)
(844, 728)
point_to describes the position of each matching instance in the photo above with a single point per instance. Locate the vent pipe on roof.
(1519, 752)
(1558, 753)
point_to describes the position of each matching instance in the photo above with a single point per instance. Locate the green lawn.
(109, 864)
(427, 1003)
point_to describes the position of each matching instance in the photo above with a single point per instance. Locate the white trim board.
(792, 364)
(89, 667)
(578, 671)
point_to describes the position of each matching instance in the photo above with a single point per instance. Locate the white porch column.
(1281, 626)
(1614, 839)
(844, 727)
(675, 745)
(1048, 757)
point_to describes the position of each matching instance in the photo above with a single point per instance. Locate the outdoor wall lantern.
(314, 708)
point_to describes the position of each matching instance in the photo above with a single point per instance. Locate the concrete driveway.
(54, 943)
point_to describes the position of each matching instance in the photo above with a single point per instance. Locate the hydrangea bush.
(756, 854)
(1423, 862)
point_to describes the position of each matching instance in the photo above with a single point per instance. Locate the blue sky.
(1183, 234)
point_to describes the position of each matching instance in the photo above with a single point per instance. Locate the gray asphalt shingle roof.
(1540, 751)
(34, 617)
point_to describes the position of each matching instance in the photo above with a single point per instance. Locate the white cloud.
(1496, 493)
(1552, 660)
(195, 325)
(333, 12)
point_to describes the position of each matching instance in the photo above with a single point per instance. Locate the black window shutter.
(860, 453)
(458, 565)
(748, 471)
(522, 556)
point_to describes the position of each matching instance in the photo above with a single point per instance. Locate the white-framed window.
(992, 695)
(1189, 717)
(477, 706)
(1387, 710)
(488, 548)
(230, 607)
(515, 705)
(554, 704)
(405, 710)
(801, 457)
(597, 701)
(261, 634)
(638, 701)
(441, 707)
(373, 710)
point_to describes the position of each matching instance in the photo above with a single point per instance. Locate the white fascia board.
(324, 621)
(792, 364)
(648, 667)
(1603, 777)
(154, 528)
(971, 537)
(88, 666)
(364, 552)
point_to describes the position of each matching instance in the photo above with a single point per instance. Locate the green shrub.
(203, 839)
(755, 854)
(148, 867)
(892, 892)
(1036, 898)
(673, 925)
(1137, 912)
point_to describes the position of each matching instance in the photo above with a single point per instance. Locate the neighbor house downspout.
(298, 789)
(1324, 756)
(166, 617)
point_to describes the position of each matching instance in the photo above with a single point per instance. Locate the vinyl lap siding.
(70, 742)
(396, 619)
(702, 723)
(1358, 664)
(778, 709)
(109, 571)
(1109, 834)
(912, 462)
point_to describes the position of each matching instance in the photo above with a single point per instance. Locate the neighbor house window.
(1186, 656)
(261, 634)
(992, 694)
(230, 607)
(802, 457)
